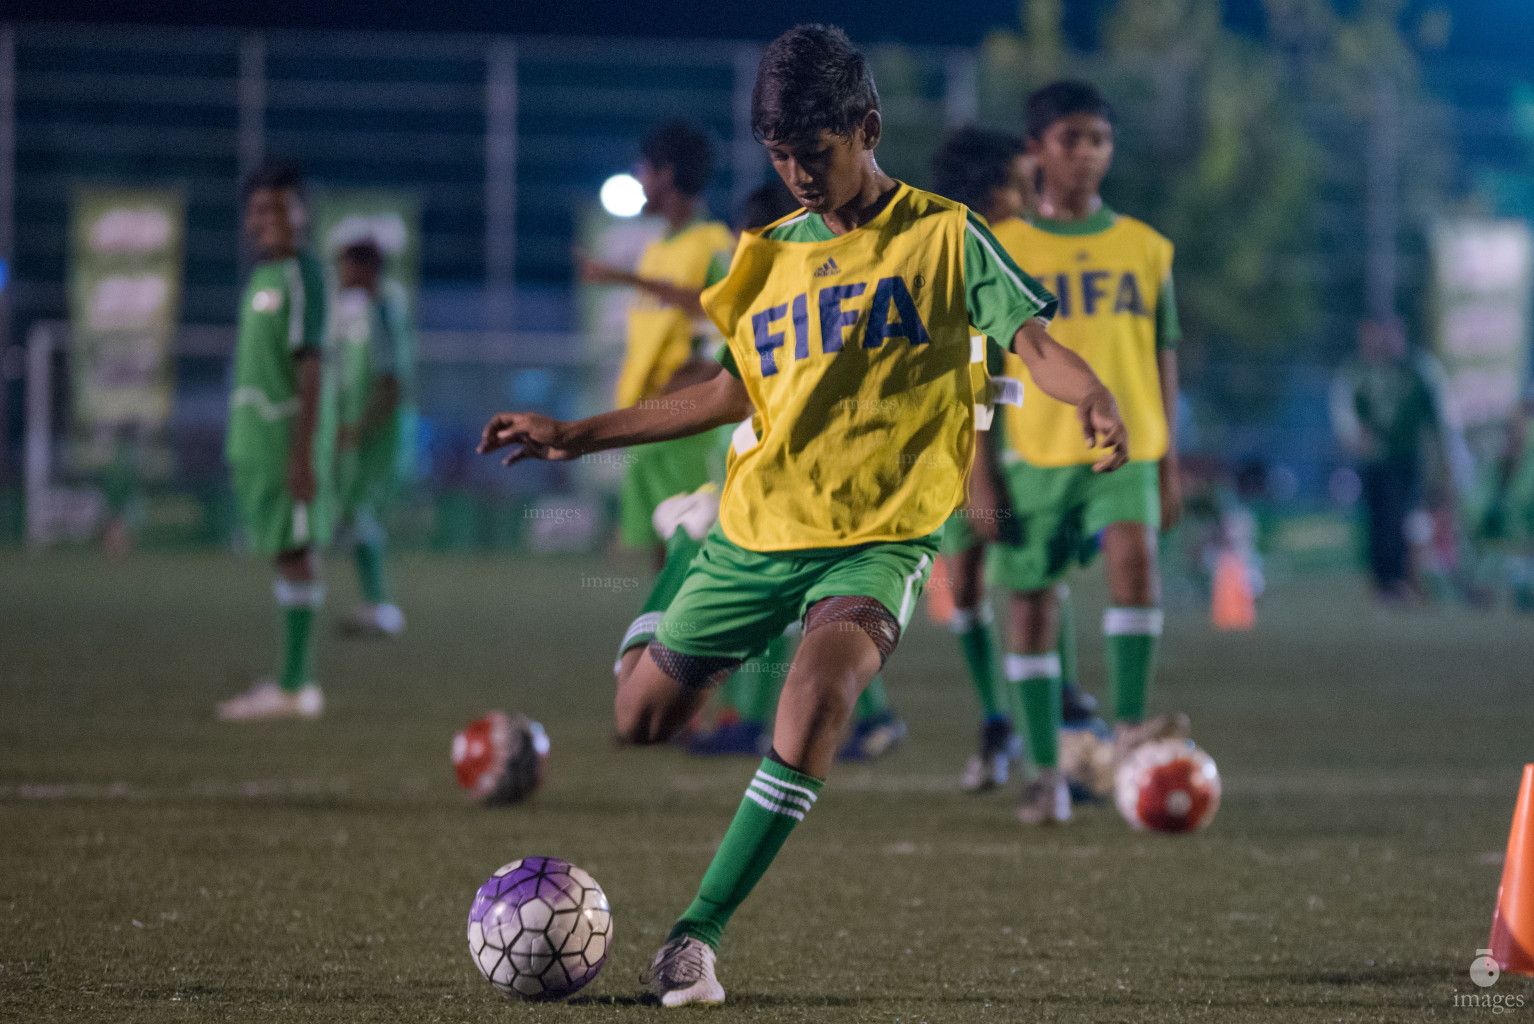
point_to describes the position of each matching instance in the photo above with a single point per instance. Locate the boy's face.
(657, 183)
(274, 218)
(825, 173)
(1074, 152)
(353, 273)
(1015, 198)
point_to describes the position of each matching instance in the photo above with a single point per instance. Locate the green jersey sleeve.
(1168, 330)
(727, 360)
(999, 295)
(718, 269)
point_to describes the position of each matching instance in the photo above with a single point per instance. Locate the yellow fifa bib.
(660, 336)
(856, 354)
(1107, 284)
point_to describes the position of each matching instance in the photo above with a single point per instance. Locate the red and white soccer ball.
(500, 758)
(1168, 786)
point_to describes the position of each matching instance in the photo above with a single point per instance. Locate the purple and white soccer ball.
(540, 929)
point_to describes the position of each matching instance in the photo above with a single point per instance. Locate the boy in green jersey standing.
(282, 432)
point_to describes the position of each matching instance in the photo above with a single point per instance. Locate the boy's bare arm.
(301, 482)
(685, 299)
(692, 410)
(1065, 376)
(1168, 470)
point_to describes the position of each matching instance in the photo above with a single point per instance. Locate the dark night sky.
(1499, 29)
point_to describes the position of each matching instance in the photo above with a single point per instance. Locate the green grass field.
(158, 866)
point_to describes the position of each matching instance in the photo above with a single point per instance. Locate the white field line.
(1318, 784)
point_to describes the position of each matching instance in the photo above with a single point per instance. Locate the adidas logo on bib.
(827, 268)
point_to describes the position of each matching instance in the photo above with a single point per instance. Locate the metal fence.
(505, 142)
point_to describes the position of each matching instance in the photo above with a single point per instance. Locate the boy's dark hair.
(364, 252)
(972, 163)
(767, 202)
(275, 174)
(811, 79)
(1059, 100)
(683, 147)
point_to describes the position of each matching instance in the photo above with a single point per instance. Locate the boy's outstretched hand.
(539, 437)
(1103, 428)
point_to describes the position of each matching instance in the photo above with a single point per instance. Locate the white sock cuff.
(1032, 666)
(965, 619)
(293, 594)
(644, 626)
(1132, 622)
(779, 797)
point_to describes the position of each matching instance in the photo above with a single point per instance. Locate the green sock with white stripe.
(775, 801)
(1037, 677)
(298, 601)
(973, 628)
(1132, 635)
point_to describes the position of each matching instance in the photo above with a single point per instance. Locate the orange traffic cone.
(1512, 924)
(940, 605)
(1233, 606)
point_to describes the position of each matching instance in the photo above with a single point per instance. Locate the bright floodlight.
(621, 195)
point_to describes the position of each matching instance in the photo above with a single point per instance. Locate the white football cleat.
(983, 773)
(374, 620)
(682, 974)
(266, 700)
(999, 746)
(1046, 799)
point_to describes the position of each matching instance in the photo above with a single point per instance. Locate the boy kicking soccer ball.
(1113, 277)
(849, 347)
(282, 434)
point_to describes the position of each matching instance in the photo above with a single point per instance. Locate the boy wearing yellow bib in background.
(992, 174)
(1113, 277)
(663, 324)
(849, 348)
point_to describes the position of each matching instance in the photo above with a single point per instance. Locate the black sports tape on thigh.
(692, 671)
(862, 612)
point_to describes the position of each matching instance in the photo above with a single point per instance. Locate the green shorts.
(735, 602)
(681, 549)
(1059, 512)
(655, 473)
(273, 521)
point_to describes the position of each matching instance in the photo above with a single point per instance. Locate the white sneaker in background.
(1046, 799)
(266, 700)
(374, 620)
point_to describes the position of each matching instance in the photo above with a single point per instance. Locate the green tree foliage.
(1225, 142)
